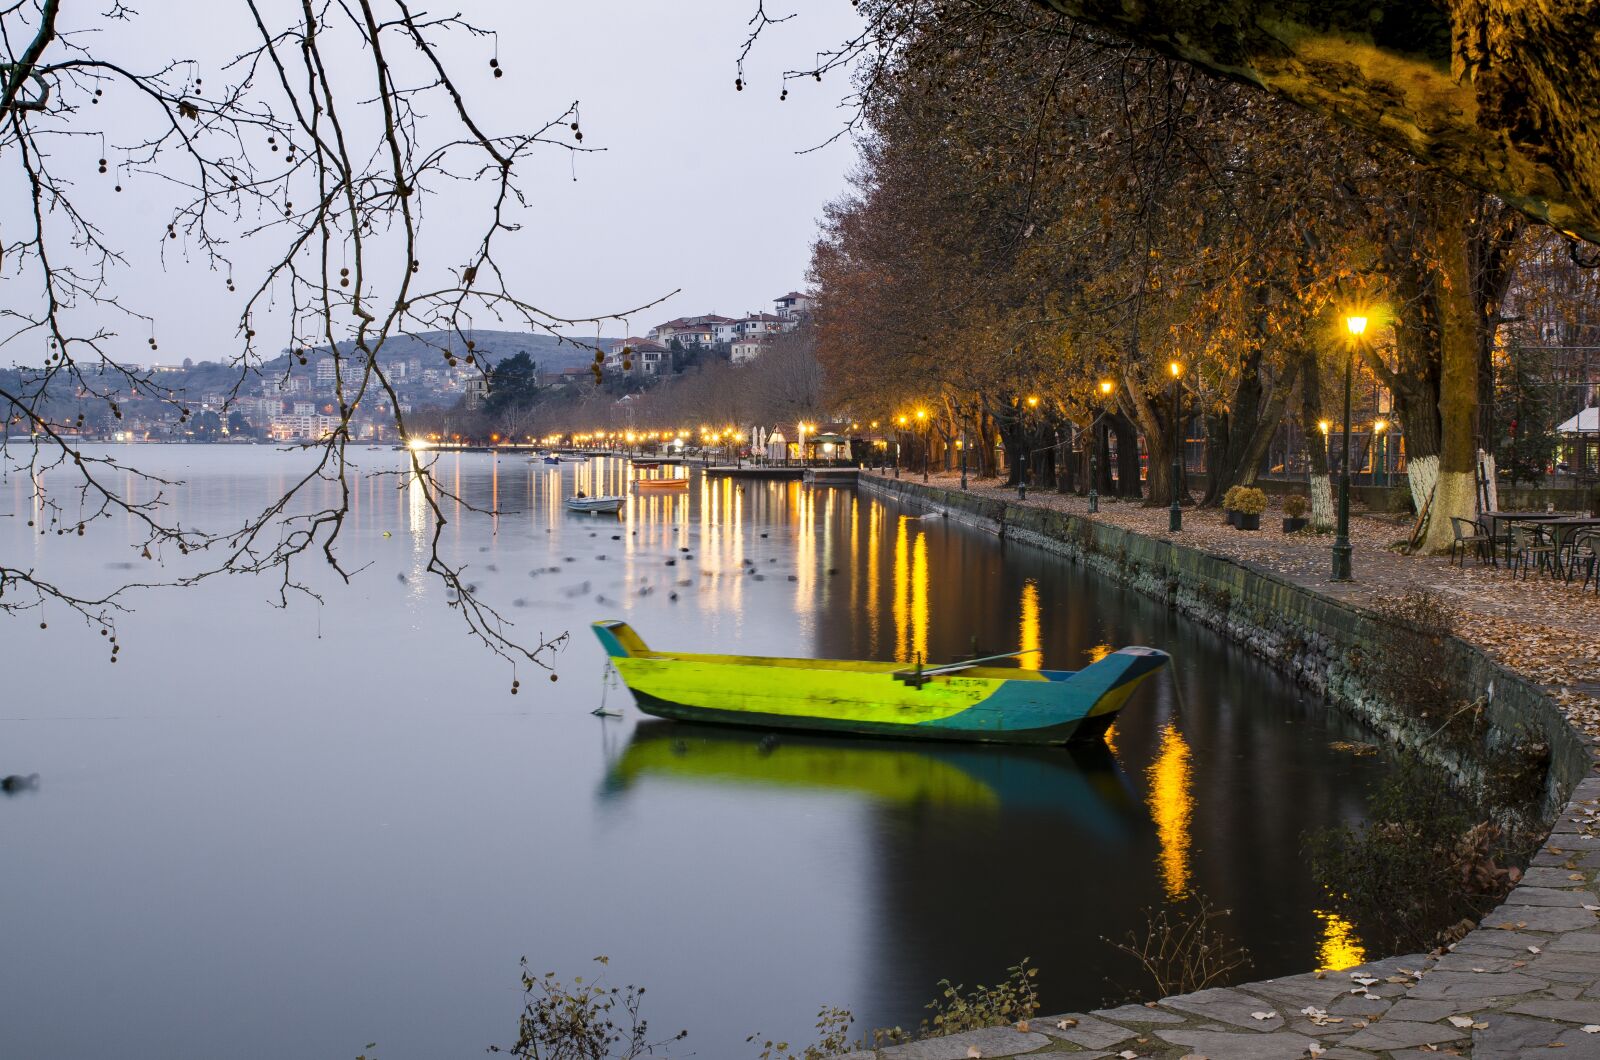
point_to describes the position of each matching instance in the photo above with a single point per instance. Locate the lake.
(288, 832)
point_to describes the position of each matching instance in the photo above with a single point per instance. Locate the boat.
(595, 504)
(955, 701)
(661, 483)
(646, 464)
(551, 459)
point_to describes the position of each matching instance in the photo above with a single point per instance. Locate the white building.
(643, 357)
(748, 349)
(794, 306)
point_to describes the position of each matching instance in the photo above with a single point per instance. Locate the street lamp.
(1381, 465)
(1175, 513)
(1357, 326)
(927, 440)
(961, 444)
(1106, 386)
(901, 421)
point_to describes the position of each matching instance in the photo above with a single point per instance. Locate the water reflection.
(1081, 787)
(1171, 800)
(1340, 947)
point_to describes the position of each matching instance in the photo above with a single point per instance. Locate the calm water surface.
(287, 833)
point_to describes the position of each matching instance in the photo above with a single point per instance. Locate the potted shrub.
(1294, 511)
(1249, 503)
(1230, 509)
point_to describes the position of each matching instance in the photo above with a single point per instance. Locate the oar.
(920, 676)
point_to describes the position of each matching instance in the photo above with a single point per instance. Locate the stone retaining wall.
(1328, 645)
(1526, 980)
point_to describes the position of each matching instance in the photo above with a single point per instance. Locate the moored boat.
(594, 504)
(661, 484)
(956, 701)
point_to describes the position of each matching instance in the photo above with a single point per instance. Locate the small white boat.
(594, 504)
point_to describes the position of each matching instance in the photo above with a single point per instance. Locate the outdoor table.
(1564, 529)
(1495, 518)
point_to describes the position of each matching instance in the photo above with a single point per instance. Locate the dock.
(831, 476)
(758, 471)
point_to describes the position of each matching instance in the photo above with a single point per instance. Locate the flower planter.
(1291, 526)
(1248, 522)
(1233, 518)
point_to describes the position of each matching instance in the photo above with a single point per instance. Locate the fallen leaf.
(1461, 1021)
(974, 1053)
(1533, 949)
(1263, 1015)
(1591, 1028)
(1066, 1024)
(1022, 1026)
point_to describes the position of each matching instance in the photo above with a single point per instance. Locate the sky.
(698, 188)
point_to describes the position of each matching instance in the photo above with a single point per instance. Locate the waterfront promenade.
(1525, 982)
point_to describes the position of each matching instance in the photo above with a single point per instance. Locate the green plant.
(1183, 948)
(1010, 1001)
(1246, 500)
(833, 1038)
(580, 1021)
(1230, 497)
(1295, 506)
(956, 1009)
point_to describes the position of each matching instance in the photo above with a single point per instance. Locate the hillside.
(550, 353)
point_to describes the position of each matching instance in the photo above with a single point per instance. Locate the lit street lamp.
(1106, 386)
(1175, 513)
(1341, 540)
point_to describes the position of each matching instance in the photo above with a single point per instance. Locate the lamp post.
(1175, 512)
(1341, 540)
(901, 422)
(1106, 387)
(927, 440)
(961, 444)
(1381, 464)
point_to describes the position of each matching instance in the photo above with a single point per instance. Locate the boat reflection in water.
(1079, 785)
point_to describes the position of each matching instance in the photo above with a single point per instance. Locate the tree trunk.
(1455, 493)
(1127, 455)
(1322, 514)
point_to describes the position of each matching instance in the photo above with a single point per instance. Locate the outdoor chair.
(1586, 554)
(1530, 547)
(1469, 535)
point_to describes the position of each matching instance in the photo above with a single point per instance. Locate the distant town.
(299, 395)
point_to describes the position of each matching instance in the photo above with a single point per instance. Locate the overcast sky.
(698, 187)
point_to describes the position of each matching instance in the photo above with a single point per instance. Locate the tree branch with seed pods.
(315, 153)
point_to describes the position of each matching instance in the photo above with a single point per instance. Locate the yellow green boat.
(956, 701)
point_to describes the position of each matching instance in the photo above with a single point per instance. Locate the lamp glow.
(1357, 325)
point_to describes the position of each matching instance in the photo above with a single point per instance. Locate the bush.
(1295, 506)
(1184, 948)
(1246, 500)
(1421, 871)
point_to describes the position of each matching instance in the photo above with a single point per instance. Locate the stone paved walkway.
(1525, 983)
